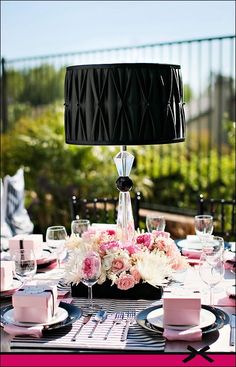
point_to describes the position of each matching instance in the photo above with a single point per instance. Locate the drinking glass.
(203, 227)
(156, 222)
(25, 264)
(55, 238)
(89, 268)
(211, 270)
(79, 226)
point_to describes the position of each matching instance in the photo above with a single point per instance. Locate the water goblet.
(155, 222)
(25, 264)
(79, 226)
(203, 228)
(56, 238)
(211, 270)
(89, 268)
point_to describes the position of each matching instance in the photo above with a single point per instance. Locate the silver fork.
(129, 321)
(117, 320)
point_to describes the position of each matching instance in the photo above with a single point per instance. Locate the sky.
(35, 28)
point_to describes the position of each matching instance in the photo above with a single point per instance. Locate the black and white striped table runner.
(138, 339)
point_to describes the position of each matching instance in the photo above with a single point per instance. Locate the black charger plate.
(221, 319)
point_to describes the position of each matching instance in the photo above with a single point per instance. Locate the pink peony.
(90, 266)
(144, 239)
(118, 265)
(109, 245)
(125, 282)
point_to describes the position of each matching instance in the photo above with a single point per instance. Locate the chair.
(101, 210)
(224, 215)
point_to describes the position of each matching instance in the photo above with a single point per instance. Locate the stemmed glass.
(79, 226)
(211, 268)
(89, 268)
(55, 238)
(203, 228)
(25, 265)
(156, 222)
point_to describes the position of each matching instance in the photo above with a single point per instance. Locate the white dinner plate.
(155, 318)
(16, 284)
(60, 316)
(190, 245)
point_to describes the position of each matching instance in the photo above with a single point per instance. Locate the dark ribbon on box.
(196, 352)
(45, 290)
(22, 256)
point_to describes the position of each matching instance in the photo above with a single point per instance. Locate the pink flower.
(111, 232)
(118, 265)
(90, 266)
(136, 275)
(161, 234)
(109, 245)
(125, 282)
(144, 239)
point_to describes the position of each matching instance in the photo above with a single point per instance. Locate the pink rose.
(90, 266)
(118, 265)
(111, 232)
(136, 275)
(125, 282)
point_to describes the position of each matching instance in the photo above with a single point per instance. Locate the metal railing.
(208, 71)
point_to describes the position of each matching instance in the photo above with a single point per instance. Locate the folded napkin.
(14, 330)
(193, 254)
(191, 334)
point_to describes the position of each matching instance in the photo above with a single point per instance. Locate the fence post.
(4, 121)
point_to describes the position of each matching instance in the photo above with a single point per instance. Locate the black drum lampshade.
(124, 104)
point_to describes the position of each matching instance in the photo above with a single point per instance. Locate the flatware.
(117, 320)
(130, 319)
(84, 322)
(232, 329)
(99, 317)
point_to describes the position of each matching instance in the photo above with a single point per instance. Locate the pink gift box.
(35, 303)
(6, 272)
(181, 309)
(30, 242)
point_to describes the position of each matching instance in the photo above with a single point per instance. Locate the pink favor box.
(36, 303)
(32, 242)
(6, 272)
(181, 309)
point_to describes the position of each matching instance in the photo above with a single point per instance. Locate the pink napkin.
(191, 334)
(193, 254)
(34, 331)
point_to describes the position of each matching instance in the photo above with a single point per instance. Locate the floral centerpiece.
(151, 258)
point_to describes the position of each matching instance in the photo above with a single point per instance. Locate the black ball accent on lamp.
(124, 184)
(124, 104)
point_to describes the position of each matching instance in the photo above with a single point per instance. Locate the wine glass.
(156, 222)
(211, 270)
(203, 228)
(25, 264)
(89, 268)
(55, 238)
(79, 226)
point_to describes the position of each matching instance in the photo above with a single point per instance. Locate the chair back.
(224, 215)
(101, 210)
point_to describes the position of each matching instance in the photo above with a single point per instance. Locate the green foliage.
(171, 175)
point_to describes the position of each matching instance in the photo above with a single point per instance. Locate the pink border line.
(117, 360)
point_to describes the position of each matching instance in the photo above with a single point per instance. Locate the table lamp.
(124, 104)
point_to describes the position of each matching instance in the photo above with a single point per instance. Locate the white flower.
(154, 267)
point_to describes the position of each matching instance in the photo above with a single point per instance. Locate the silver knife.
(232, 329)
(84, 322)
(99, 317)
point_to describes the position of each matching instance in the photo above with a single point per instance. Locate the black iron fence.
(208, 72)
